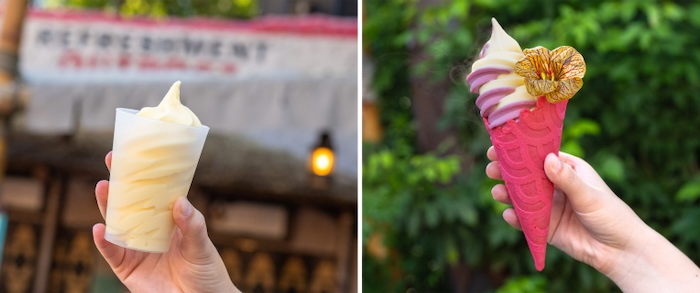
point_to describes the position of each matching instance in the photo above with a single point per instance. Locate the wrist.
(653, 264)
(625, 260)
(229, 287)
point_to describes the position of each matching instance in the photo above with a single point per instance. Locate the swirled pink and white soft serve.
(502, 93)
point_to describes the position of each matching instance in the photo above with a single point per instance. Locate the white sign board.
(84, 47)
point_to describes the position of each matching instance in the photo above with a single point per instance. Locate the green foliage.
(634, 120)
(528, 284)
(409, 199)
(89, 4)
(690, 191)
(576, 131)
(162, 8)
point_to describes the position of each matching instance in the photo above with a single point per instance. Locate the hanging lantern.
(322, 158)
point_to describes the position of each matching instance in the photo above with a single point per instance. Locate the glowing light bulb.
(322, 161)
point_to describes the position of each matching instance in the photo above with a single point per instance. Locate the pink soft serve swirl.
(488, 101)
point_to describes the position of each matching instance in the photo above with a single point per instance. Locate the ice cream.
(522, 99)
(155, 154)
(171, 109)
(502, 93)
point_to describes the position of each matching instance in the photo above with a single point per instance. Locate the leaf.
(573, 147)
(452, 253)
(502, 234)
(468, 215)
(432, 215)
(524, 284)
(612, 168)
(653, 15)
(673, 12)
(413, 225)
(690, 191)
(473, 251)
(687, 226)
(633, 32)
(580, 128)
(694, 10)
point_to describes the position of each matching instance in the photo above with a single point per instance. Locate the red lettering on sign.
(148, 63)
(105, 61)
(203, 66)
(124, 61)
(229, 68)
(175, 63)
(92, 61)
(70, 58)
(73, 59)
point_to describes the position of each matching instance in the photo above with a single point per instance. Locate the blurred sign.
(20, 193)
(251, 219)
(80, 47)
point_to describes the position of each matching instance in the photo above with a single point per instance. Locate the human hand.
(192, 264)
(589, 222)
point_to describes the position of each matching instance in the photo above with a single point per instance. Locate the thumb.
(195, 244)
(582, 196)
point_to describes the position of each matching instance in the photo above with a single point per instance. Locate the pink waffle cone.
(521, 147)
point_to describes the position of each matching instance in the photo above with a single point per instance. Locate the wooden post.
(342, 252)
(48, 234)
(10, 35)
(12, 23)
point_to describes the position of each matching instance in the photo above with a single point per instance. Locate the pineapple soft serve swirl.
(152, 166)
(171, 109)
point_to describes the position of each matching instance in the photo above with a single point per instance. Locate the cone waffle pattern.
(521, 147)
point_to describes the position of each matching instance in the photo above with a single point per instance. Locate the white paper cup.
(153, 163)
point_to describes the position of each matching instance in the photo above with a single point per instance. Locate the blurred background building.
(275, 80)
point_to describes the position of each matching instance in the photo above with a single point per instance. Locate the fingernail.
(557, 164)
(186, 207)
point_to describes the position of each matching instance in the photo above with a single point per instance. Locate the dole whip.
(154, 157)
(522, 99)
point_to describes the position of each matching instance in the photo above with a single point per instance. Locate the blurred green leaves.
(572, 135)
(529, 284)
(428, 212)
(162, 8)
(690, 191)
(409, 192)
(612, 169)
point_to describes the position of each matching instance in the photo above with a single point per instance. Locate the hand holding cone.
(523, 99)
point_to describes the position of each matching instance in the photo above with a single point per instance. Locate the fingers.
(112, 253)
(491, 154)
(101, 194)
(500, 194)
(195, 239)
(102, 188)
(108, 161)
(511, 218)
(584, 198)
(493, 172)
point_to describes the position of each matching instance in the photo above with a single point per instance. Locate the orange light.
(322, 161)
